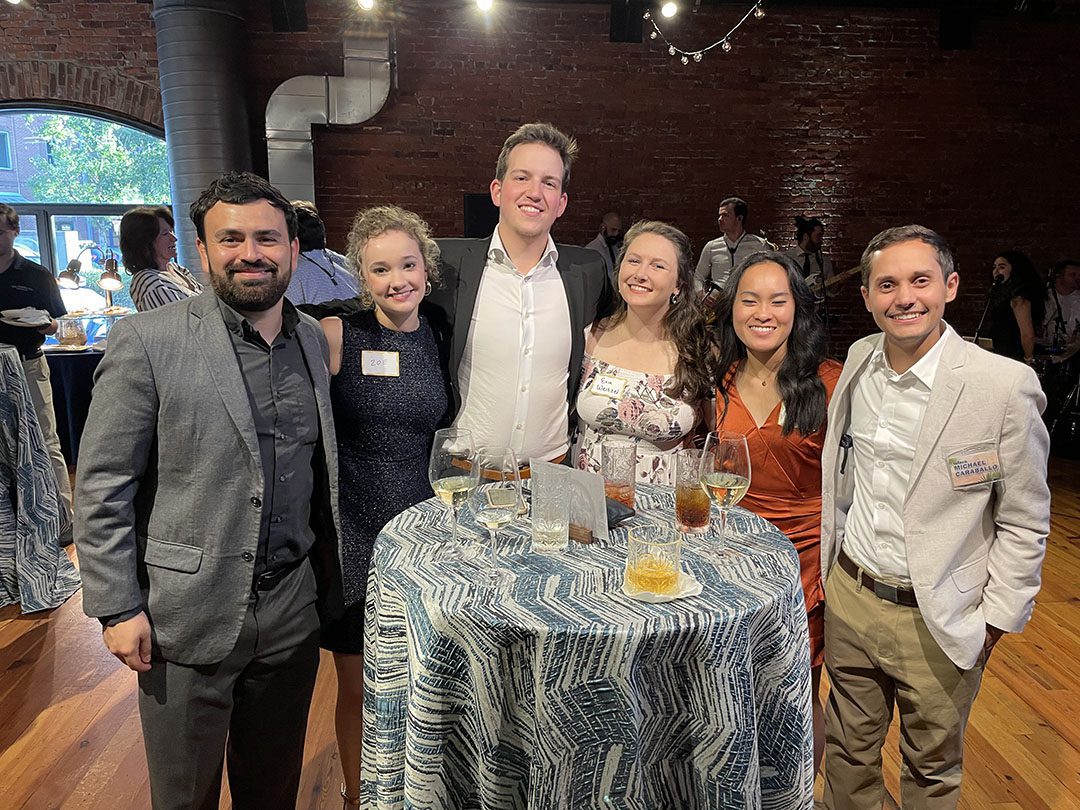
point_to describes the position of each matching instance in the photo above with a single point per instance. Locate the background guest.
(1061, 324)
(774, 386)
(321, 274)
(148, 249)
(1016, 305)
(647, 367)
(389, 394)
(608, 243)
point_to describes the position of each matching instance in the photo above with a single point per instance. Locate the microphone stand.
(997, 282)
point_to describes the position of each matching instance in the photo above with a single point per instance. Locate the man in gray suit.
(206, 520)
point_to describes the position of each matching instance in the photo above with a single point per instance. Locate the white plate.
(34, 324)
(688, 586)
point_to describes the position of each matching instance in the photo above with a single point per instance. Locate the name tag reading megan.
(380, 364)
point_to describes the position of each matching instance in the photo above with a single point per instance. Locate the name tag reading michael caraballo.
(380, 364)
(974, 465)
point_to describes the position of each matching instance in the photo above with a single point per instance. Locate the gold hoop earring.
(427, 288)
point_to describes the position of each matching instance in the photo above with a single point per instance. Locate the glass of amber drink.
(618, 464)
(691, 500)
(653, 560)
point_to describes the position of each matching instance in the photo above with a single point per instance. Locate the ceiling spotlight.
(484, 5)
(14, 2)
(669, 9)
(759, 12)
(725, 46)
(367, 5)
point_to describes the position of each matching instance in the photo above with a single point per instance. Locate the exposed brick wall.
(856, 115)
(95, 55)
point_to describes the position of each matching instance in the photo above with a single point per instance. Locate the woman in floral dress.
(648, 367)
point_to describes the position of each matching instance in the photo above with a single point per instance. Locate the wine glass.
(725, 474)
(495, 503)
(453, 473)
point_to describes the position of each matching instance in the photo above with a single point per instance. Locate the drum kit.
(1059, 374)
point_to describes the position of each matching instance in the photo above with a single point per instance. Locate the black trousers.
(252, 705)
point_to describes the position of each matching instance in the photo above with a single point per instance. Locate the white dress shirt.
(886, 415)
(514, 371)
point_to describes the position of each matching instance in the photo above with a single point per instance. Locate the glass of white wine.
(453, 473)
(495, 503)
(725, 474)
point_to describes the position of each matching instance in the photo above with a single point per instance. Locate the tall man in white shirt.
(517, 305)
(935, 512)
(720, 256)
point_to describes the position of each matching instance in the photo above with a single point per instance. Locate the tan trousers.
(37, 380)
(878, 653)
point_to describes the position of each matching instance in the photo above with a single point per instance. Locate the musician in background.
(816, 267)
(722, 255)
(1061, 324)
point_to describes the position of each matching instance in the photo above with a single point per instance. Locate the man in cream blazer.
(935, 512)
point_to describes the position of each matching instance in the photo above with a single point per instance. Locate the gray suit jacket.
(170, 481)
(975, 555)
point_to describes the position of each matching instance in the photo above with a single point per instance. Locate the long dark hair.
(1024, 281)
(801, 389)
(139, 227)
(683, 323)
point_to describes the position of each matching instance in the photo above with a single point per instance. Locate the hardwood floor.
(70, 738)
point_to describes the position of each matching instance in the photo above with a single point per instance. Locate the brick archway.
(81, 86)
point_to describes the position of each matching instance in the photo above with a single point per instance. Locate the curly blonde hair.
(376, 221)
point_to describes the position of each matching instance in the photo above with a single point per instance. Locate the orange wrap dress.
(785, 489)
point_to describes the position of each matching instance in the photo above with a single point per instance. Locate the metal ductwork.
(199, 43)
(302, 101)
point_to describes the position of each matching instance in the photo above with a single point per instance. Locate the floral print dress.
(616, 401)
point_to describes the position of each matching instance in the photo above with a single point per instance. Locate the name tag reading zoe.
(607, 386)
(380, 364)
(974, 465)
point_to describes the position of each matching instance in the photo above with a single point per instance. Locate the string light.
(724, 43)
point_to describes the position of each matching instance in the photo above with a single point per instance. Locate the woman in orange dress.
(774, 388)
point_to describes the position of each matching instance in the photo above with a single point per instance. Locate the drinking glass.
(618, 464)
(550, 508)
(691, 498)
(495, 503)
(453, 473)
(725, 475)
(653, 559)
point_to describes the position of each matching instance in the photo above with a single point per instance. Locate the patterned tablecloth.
(564, 693)
(35, 572)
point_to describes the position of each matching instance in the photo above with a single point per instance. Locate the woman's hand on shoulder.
(332, 329)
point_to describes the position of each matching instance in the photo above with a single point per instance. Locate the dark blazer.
(170, 482)
(588, 295)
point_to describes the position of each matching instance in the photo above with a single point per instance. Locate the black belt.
(271, 579)
(882, 590)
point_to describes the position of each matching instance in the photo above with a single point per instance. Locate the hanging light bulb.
(646, 16)
(671, 50)
(367, 5)
(685, 60)
(669, 9)
(697, 56)
(725, 46)
(652, 35)
(759, 12)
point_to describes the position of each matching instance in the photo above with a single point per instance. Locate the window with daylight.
(73, 175)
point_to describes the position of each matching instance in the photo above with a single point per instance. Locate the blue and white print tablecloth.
(35, 572)
(564, 693)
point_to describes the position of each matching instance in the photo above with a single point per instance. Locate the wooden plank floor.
(70, 738)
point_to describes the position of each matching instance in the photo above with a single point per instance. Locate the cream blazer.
(974, 554)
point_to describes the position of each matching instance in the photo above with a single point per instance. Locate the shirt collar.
(925, 369)
(239, 325)
(497, 253)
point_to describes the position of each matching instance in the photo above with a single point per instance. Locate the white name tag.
(971, 466)
(380, 364)
(607, 386)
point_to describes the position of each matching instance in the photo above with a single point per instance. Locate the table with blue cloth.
(72, 377)
(562, 692)
(35, 572)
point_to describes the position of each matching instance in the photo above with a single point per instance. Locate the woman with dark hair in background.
(148, 250)
(1016, 305)
(647, 367)
(774, 386)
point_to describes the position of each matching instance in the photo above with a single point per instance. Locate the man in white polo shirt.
(517, 305)
(935, 512)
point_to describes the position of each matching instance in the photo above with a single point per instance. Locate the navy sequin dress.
(384, 432)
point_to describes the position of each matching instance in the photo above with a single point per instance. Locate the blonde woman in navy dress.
(389, 394)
